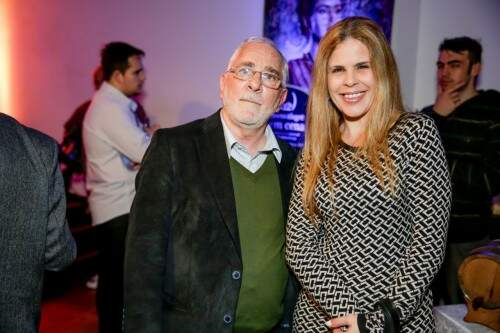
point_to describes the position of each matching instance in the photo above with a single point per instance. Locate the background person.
(468, 120)
(115, 142)
(34, 235)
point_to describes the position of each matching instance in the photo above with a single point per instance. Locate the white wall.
(56, 45)
(404, 42)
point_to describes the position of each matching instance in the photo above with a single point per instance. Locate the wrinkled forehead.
(258, 55)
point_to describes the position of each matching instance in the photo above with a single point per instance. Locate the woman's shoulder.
(414, 120)
(414, 124)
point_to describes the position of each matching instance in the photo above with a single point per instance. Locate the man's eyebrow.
(451, 62)
(246, 64)
(272, 70)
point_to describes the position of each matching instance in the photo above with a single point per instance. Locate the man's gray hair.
(264, 40)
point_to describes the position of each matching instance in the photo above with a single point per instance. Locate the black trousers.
(111, 254)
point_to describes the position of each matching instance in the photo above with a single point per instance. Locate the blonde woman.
(369, 212)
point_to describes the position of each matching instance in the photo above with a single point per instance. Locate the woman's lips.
(353, 97)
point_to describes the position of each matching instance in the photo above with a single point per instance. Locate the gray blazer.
(34, 235)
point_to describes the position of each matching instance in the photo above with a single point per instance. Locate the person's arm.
(429, 198)
(305, 258)
(147, 242)
(491, 159)
(60, 249)
(120, 130)
(447, 100)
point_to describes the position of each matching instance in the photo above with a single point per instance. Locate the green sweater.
(262, 238)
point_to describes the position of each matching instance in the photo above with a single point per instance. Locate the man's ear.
(221, 87)
(283, 94)
(476, 69)
(116, 77)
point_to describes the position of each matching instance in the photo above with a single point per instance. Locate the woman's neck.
(353, 133)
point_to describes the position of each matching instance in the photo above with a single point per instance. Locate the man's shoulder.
(106, 103)
(36, 137)
(191, 129)
(485, 106)
(428, 110)
(39, 147)
(181, 131)
(288, 152)
(489, 97)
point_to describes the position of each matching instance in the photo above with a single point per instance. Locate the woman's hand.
(344, 324)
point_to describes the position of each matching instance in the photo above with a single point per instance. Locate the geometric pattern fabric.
(367, 243)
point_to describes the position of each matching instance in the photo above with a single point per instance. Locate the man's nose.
(255, 82)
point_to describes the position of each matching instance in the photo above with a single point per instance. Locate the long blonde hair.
(324, 118)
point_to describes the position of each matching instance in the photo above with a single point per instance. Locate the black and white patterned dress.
(369, 245)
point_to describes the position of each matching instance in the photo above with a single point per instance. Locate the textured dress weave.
(368, 244)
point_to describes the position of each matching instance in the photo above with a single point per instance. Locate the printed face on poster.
(296, 27)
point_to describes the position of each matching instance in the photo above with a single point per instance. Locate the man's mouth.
(250, 100)
(445, 82)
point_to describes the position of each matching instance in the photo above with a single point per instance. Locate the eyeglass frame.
(233, 70)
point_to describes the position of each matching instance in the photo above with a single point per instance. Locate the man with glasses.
(205, 246)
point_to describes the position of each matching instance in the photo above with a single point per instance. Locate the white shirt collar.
(271, 141)
(118, 96)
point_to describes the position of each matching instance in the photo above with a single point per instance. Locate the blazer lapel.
(285, 169)
(213, 153)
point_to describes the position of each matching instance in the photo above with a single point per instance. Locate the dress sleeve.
(428, 191)
(305, 258)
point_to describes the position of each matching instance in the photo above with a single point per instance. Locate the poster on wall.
(296, 26)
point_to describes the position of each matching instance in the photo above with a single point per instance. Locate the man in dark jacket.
(469, 123)
(205, 246)
(34, 235)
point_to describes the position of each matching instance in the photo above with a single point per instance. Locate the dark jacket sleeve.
(60, 248)
(147, 242)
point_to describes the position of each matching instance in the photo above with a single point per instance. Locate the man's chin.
(250, 123)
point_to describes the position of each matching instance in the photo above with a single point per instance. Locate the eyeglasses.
(245, 73)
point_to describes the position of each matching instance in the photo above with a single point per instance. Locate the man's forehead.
(257, 54)
(448, 55)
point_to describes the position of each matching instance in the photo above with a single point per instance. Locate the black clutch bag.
(391, 317)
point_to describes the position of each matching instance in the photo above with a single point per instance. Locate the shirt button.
(227, 319)
(236, 275)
